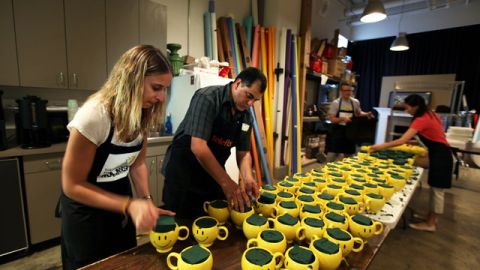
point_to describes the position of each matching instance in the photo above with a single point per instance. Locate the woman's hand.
(376, 147)
(145, 214)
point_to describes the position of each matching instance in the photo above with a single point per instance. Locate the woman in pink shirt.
(427, 125)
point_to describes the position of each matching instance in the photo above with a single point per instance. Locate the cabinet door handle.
(61, 79)
(54, 165)
(75, 79)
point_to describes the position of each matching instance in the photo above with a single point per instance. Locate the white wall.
(327, 15)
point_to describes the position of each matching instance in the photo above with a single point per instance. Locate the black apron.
(90, 234)
(337, 140)
(441, 163)
(187, 184)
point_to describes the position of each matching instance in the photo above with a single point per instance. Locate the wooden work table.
(226, 254)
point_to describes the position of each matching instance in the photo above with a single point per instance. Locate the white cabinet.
(40, 36)
(42, 187)
(85, 39)
(122, 28)
(8, 51)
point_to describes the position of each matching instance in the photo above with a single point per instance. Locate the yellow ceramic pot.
(253, 225)
(303, 177)
(397, 181)
(373, 202)
(324, 198)
(310, 227)
(201, 259)
(305, 199)
(293, 180)
(370, 188)
(306, 190)
(238, 217)
(266, 204)
(287, 224)
(344, 239)
(328, 253)
(207, 229)
(358, 188)
(320, 182)
(338, 181)
(166, 234)
(256, 258)
(364, 227)
(217, 209)
(271, 240)
(300, 258)
(336, 207)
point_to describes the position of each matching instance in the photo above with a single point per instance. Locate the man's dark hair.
(251, 75)
(416, 100)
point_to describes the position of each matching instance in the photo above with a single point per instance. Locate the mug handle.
(252, 243)
(360, 242)
(205, 206)
(225, 230)
(187, 232)
(378, 227)
(361, 207)
(169, 262)
(274, 213)
(300, 233)
(271, 223)
(279, 258)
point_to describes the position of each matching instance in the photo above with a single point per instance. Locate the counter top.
(60, 147)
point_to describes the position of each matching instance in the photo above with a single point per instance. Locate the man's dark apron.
(187, 184)
(90, 234)
(337, 141)
(441, 163)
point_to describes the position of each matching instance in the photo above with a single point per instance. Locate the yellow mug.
(370, 188)
(310, 185)
(352, 206)
(266, 204)
(344, 239)
(334, 220)
(288, 207)
(300, 258)
(386, 191)
(328, 253)
(285, 196)
(206, 230)
(194, 257)
(256, 258)
(287, 224)
(217, 209)
(338, 181)
(324, 198)
(269, 188)
(166, 234)
(351, 193)
(364, 227)
(303, 190)
(303, 177)
(238, 217)
(310, 227)
(320, 182)
(253, 225)
(356, 187)
(271, 240)
(314, 211)
(397, 181)
(287, 186)
(293, 180)
(332, 189)
(336, 207)
(305, 199)
(374, 202)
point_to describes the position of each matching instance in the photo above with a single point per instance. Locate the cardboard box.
(336, 67)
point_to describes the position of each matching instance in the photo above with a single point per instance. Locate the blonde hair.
(122, 93)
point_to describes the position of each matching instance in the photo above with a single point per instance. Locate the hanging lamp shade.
(400, 43)
(373, 12)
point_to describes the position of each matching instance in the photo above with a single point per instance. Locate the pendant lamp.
(401, 42)
(373, 12)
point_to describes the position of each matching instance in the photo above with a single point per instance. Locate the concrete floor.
(453, 246)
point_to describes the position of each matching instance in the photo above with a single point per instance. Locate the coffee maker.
(31, 122)
(3, 136)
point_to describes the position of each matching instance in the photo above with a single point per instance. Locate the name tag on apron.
(344, 114)
(116, 166)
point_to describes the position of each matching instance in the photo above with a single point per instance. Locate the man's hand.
(251, 188)
(236, 195)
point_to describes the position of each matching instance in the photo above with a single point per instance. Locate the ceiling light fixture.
(373, 12)
(401, 42)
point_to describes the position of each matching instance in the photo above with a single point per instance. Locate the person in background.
(216, 120)
(429, 128)
(108, 142)
(341, 112)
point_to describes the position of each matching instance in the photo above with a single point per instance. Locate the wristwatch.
(147, 197)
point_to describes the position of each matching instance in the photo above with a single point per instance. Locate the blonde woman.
(107, 142)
